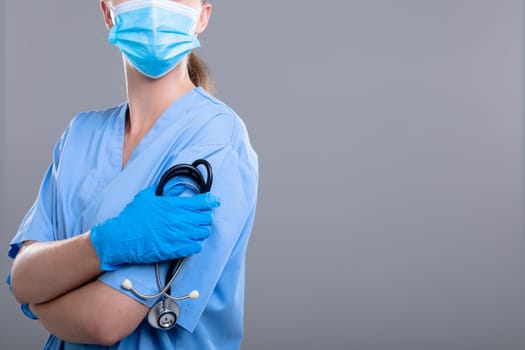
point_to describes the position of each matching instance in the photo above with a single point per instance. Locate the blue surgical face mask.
(154, 35)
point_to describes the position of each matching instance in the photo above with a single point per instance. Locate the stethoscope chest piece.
(164, 314)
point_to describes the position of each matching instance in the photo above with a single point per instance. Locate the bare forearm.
(43, 271)
(92, 314)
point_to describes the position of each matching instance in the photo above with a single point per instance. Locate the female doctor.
(97, 222)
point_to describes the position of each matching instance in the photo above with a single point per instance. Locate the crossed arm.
(58, 280)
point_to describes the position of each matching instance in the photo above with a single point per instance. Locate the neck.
(149, 98)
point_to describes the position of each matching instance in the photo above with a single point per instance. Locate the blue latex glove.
(154, 228)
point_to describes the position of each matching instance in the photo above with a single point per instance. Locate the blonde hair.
(198, 70)
(200, 74)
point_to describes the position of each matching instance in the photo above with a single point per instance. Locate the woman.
(97, 222)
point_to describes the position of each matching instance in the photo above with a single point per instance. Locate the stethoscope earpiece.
(164, 314)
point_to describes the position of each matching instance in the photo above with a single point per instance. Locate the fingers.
(201, 201)
(201, 233)
(213, 201)
(189, 249)
(189, 231)
(198, 217)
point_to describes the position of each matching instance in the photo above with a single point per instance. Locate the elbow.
(117, 316)
(24, 288)
(107, 332)
(21, 284)
(82, 328)
(98, 333)
(20, 290)
(107, 339)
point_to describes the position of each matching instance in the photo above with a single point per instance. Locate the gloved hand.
(154, 228)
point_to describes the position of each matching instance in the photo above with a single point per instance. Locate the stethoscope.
(165, 312)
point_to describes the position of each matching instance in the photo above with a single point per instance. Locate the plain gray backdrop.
(390, 137)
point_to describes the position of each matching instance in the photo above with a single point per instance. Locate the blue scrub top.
(85, 185)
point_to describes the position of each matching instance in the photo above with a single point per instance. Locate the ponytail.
(200, 74)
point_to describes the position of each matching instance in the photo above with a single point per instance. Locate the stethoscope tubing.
(163, 291)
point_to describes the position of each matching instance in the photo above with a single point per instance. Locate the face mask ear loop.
(196, 19)
(111, 11)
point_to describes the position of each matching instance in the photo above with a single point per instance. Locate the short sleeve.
(142, 277)
(235, 184)
(38, 223)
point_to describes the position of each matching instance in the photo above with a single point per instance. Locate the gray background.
(390, 136)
